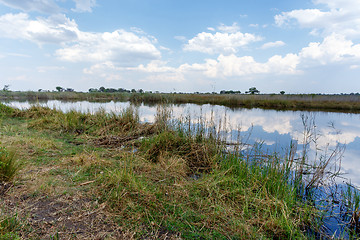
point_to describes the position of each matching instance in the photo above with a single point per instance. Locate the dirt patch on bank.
(66, 217)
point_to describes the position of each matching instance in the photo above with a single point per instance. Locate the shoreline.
(303, 102)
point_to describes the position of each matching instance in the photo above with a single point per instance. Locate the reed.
(314, 102)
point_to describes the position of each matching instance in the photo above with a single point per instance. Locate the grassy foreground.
(315, 102)
(109, 176)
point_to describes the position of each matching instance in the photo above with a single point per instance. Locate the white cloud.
(44, 6)
(341, 17)
(78, 46)
(55, 29)
(272, 44)
(229, 29)
(334, 48)
(225, 43)
(227, 40)
(119, 46)
(223, 67)
(232, 66)
(84, 5)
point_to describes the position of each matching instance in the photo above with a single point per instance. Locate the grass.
(316, 102)
(8, 165)
(88, 176)
(9, 227)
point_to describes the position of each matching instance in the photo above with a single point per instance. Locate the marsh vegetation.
(314, 102)
(103, 174)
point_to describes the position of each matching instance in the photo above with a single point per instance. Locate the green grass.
(8, 165)
(9, 227)
(153, 180)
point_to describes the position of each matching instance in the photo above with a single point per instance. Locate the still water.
(274, 130)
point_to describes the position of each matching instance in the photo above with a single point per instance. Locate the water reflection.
(274, 129)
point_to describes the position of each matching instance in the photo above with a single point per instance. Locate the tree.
(93, 90)
(282, 92)
(59, 89)
(253, 90)
(102, 89)
(6, 88)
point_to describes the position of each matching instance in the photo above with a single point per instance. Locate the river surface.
(273, 130)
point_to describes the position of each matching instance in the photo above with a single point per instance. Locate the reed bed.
(318, 102)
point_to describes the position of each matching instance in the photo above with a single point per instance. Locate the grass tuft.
(8, 165)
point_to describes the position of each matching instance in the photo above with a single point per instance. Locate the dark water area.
(319, 133)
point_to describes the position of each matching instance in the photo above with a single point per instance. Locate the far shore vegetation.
(230, 98)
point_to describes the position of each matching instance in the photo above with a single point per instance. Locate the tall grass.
(8, 165)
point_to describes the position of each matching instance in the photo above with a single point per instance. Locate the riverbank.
(311, 102)
(95, 175)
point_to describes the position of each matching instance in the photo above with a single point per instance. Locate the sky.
(299, 46)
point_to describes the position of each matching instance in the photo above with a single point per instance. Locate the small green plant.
(8, 165)
(5, 110)
(8, 227)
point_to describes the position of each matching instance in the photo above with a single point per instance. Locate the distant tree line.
(229, 92)
(61, 89)
(252, 90)
(113, 90)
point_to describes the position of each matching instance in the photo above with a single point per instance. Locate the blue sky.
(307, 46)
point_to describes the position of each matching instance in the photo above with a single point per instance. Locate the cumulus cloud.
(226, 40)
(44, 6)
(79, 46)
(272, 44)
(55, 29)
(341, 17)
(232, 66)
(119, 46)
(84, 5)
(223, 67)
(220, 42)
(334, 48)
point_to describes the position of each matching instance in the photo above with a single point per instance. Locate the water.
(273, 130)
